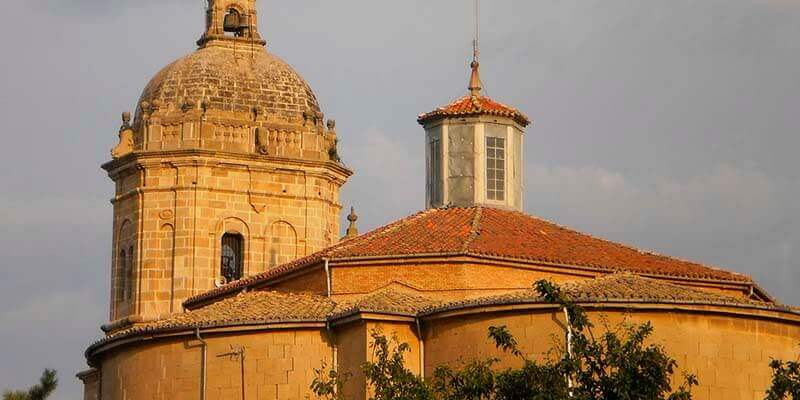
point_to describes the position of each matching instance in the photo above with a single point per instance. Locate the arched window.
(121, 271)
(232, 262)
(128, 274)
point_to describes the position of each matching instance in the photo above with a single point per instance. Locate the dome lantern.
(474, 151)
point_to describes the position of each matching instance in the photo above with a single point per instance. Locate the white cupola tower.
(474, 151)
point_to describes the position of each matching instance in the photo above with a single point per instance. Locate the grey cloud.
(734, 217)
(86, 9)
(669, 125)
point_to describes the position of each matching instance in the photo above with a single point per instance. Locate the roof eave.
(106, 344)
(437, 116)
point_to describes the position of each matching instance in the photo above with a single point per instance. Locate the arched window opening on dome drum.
(127, 275)
(232, 260)
(122, 261)
(495, 168)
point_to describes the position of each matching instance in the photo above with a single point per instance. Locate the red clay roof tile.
(473, 106)
(491, 232)
(614, 288)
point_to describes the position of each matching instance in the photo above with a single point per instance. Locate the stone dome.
(234, 80)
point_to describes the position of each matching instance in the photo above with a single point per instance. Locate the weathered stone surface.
(228, 139)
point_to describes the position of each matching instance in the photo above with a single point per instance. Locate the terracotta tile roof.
(247, 308)
(256, 307)
(614, 288)
(385, 302)
(263, 307)
(491, 232)
(469, 105)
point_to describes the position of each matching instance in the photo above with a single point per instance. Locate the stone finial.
(333, 151)
(146, 107)
(352, 230)
(125, 145)
(126, 121)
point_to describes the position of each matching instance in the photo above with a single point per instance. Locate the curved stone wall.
(277, 365)
(729, 353)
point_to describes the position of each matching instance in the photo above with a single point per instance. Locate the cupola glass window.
(495, 168)
(231, 265)
(436, 171)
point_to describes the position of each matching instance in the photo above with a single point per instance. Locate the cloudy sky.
(670, 125)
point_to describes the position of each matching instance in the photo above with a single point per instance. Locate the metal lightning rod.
(475, 42)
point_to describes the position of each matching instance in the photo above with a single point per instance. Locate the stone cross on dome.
(231, 21)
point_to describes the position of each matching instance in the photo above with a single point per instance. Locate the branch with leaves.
(41, 391)
(785, 380)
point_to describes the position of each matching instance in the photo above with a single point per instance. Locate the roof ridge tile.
(474, 229)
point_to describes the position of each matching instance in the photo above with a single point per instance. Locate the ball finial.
(352, 230)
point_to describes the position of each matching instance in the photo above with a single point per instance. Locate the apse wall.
(278, 364)
(728, 349)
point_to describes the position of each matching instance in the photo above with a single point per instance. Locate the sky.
(668, 125)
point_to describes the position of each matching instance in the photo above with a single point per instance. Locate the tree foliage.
(387, 374)
(46, 386)
(329, 384)
(785, 380)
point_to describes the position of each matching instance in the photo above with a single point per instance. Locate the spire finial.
(475, 84)
(352, 230)
(475, 42)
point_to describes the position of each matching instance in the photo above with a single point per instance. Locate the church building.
(229, 278)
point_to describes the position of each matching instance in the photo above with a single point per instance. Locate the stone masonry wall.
(456, 280)
(277, 365)
(354, 343)
(174, 210)
(729, 354)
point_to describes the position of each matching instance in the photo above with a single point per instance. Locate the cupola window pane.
(436, 171)
(495, 168)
